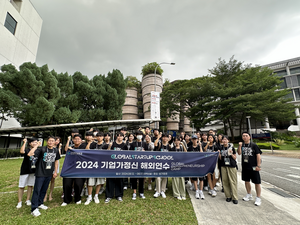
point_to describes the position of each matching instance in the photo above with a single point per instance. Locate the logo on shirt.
(247, 151)
(49, 157)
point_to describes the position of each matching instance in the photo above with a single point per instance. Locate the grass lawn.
(147, 211)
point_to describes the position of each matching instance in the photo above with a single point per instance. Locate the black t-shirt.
(26, 164)
(93, 145)
(193, 149)
(45, 156)
(162, 148)
(121, 146)
(100, 146)
(138, 146)
(175, 149)
(225, 159)
(189, 144)
(212, 148)
(203, 144)
(249, 158)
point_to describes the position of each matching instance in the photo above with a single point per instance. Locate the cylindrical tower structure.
(148, 85)
(186, 124)
(130, 108)
(173, 122)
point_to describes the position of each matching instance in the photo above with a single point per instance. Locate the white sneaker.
(96, 199)
(183, 198)
(134, 196)
(125, 187)
(149, 187)
(19, 205)
(28, 202)
(78, 203)
(197, 194)
(36, 213)
(247, 198)
(120, 199)
(163, 194)
(142, 196)
(179, 198)
(205, 188)
(210, 192)
(107, 200)
(257, 201)
(217, 184)
(215, 188)
(88, 201)
(64, 204)
(202, 195)
(189, 183)
(101, 190)
(213, 193)
(156, 195)
(42, 206)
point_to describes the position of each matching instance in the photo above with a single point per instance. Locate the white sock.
(90, 196)
(96, 195)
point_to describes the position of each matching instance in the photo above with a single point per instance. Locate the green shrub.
(267, 146)
(150, 68)
(279, 141)
(10, 153)
(297, 144)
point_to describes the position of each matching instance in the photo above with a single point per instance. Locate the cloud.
(95, 37)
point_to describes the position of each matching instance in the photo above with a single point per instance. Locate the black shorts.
(252, 175)
(195, 178)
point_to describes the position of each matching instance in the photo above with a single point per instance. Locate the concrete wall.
(21, 47)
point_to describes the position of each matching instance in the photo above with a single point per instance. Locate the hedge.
(267, 146)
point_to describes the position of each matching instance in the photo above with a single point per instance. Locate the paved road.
(281, 172)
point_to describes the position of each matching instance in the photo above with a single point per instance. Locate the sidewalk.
(274, 209)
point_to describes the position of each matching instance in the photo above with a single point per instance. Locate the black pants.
(141, 184)
(67, 187)
(114, 187)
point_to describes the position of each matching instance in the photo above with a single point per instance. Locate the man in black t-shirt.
(27, 177)
(251, 161)
(46, 162)
(69, 141)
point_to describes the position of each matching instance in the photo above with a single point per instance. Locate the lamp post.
(155, 79)
(248, 118)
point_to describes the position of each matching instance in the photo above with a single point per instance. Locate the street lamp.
(248, 118)
(155, 72)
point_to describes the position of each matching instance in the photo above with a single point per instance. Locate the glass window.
(10, 23)
(298, 77)
(290, 96)
(297, 94)
(295, 70)
(283, 84)
(281, 73)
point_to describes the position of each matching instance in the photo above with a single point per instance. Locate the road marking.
(295, 176)
(284, 178)
(264, 160)
(282, 170)
(297, 168)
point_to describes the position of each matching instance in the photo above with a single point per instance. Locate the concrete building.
(20, 29)
(289, 71)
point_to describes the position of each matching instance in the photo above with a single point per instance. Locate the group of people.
(41, 166)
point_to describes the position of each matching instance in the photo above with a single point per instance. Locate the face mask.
(139, 137)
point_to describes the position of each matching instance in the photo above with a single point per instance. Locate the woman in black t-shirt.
(211, 147)
(229, 173)
(27, 177)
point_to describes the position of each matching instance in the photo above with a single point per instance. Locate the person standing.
(46, 162)
(27, 177)
(138, 145)
(251, 165)
(114, 186)
(196, 147)
(227, 158)
(78, 183)
(163, 146)
(178, 183)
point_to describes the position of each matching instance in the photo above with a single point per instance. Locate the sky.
(97, 36)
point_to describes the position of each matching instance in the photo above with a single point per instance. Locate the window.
(283, 84)
(297, 94)
(290, 96)
(281, 73)
(10, 23)
(295, 70)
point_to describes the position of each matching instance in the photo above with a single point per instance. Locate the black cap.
(89, 133)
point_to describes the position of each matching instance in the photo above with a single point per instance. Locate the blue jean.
(39, 191)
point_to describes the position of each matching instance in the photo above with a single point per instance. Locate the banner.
(110, 164)
(155, 105)
(261, 136)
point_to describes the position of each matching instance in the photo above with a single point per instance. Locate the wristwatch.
(259, 166)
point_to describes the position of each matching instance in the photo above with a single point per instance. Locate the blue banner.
(261, 136)
(110, 164)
